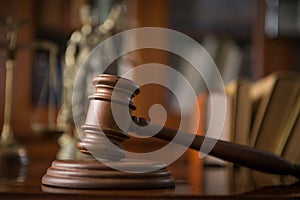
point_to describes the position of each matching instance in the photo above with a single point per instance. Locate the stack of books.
(265, 114)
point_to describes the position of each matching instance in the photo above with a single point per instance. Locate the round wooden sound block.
(91, 174)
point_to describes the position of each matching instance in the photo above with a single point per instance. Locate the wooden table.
(42, 153)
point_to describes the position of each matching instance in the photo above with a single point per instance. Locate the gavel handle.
(250, 157)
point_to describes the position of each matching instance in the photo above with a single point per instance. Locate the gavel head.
(103, 133)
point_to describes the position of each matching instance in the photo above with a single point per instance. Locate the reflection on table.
(216, 181)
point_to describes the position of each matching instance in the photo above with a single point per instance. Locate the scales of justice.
(13, 155)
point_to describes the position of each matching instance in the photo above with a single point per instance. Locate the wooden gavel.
(101, 131)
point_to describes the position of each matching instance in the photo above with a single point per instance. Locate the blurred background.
(253, 37)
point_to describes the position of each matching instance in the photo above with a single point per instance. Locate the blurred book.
(237, 122)
(291, 151)
(238, 93)
(276, 96)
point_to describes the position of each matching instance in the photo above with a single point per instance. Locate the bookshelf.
(274, 53)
